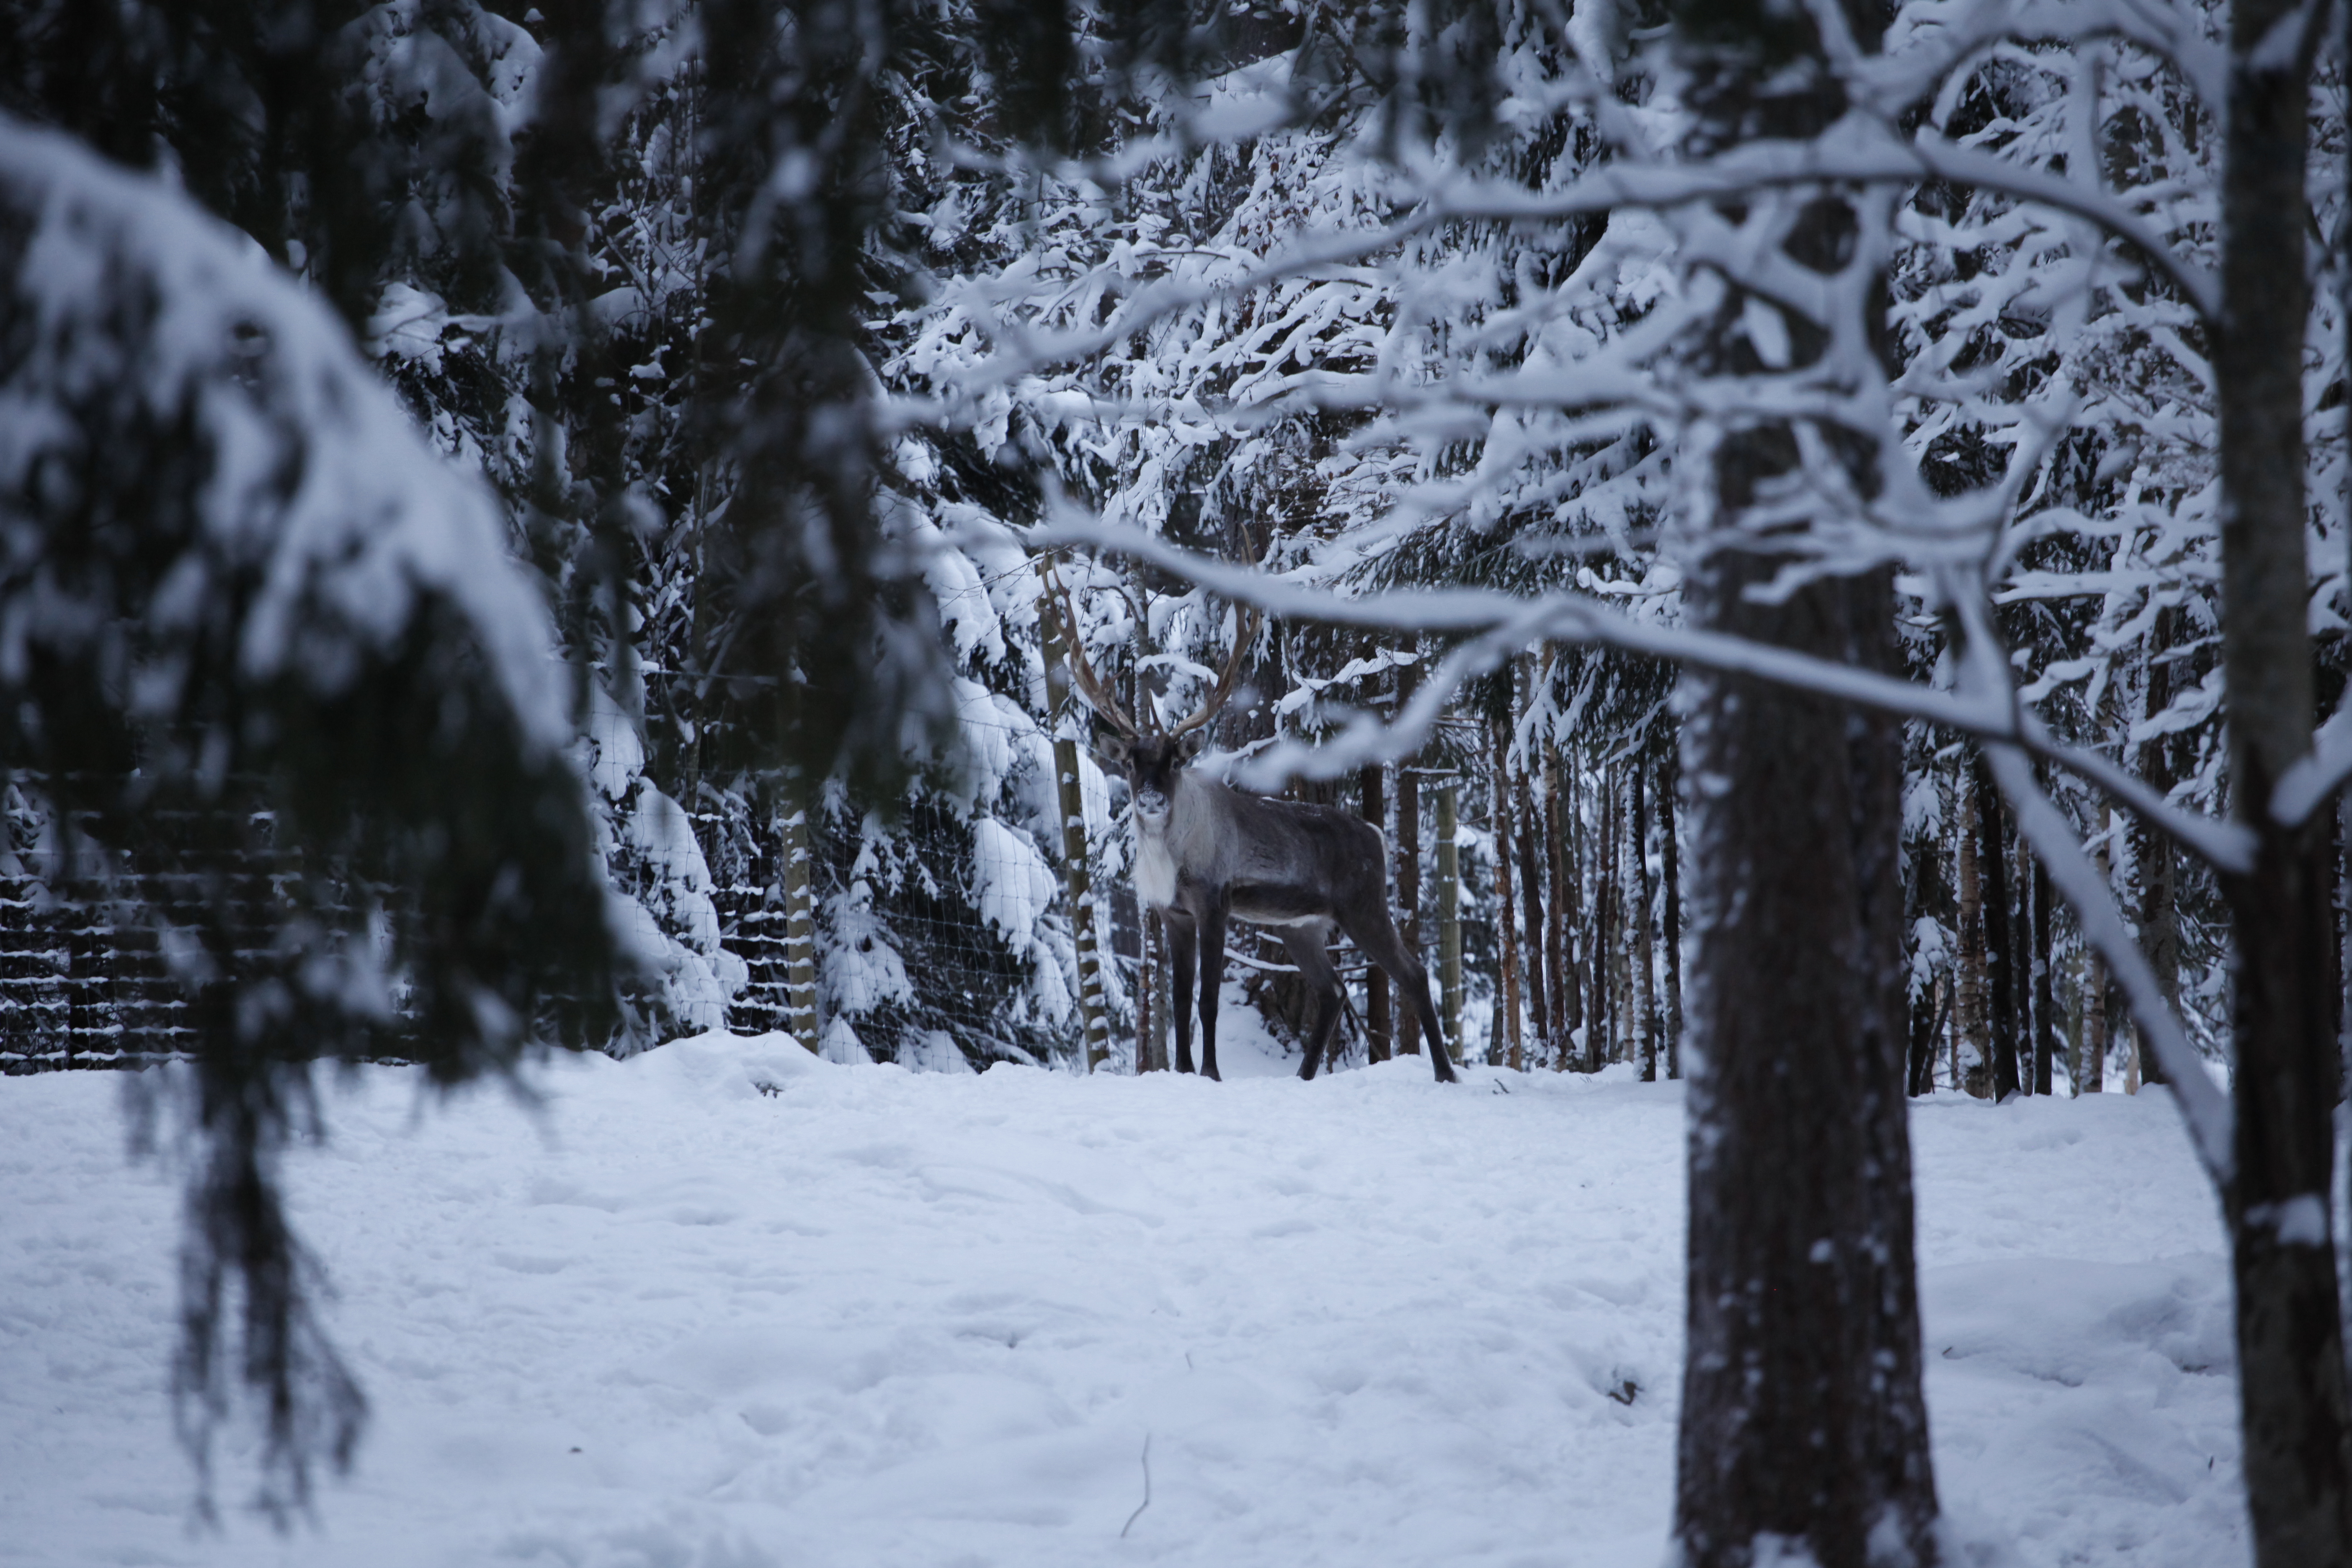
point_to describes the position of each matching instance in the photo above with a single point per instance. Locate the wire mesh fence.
(943, 935)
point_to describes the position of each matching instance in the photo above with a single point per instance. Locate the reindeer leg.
(1213, 976)
(1311, 948)
(1383, 946)
(1180, 949)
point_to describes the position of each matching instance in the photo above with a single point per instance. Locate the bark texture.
(2298, 1461)
(1803, 1431)
(1802, 1409)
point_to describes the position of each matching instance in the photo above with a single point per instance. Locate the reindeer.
(1206, 853)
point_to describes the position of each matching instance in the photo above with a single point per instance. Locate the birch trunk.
(800, 923)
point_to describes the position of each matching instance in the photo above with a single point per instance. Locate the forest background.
(803, 349)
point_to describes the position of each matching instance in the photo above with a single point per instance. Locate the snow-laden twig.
(1147, 1490)
(2310, 783)
(1861, 149)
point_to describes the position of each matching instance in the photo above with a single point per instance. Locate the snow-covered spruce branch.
(2312, 783)
(1498, 623)
(1861, 149)
(1930, 39)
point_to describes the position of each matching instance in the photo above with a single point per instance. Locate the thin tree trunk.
(1623, 1026)
(1408, 859)
(1644, 954)
(800, 932)
(1094, 1034)
(1507, 925)
(2290, 1375)
(1992, 861)
(1147, 957)
(1602, 1024)
(2041, 995)
(1449, 915)
(1970, 1026)
(2159, 916)
(2097, 1015)
(1376, 983)
(1567, 986)
(1531, 855)
(1667, 791)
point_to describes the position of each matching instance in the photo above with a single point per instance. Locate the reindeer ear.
(1113, 751)
(1189, 744)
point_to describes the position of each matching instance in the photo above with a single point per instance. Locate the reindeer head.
(1151, 764)
(1152, 757)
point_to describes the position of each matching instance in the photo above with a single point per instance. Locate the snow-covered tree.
(254, 626)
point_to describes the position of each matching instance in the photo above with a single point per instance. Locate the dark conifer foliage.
(247, 640)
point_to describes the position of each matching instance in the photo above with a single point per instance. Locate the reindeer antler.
(1245, 631)
(1097, 696)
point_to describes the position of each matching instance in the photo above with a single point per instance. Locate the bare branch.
(1499, 624)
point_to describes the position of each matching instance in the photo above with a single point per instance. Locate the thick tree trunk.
(2298, 1456)
(1801, 1416)
(1803, 1430)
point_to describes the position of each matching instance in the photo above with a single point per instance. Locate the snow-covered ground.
(726, 1306)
